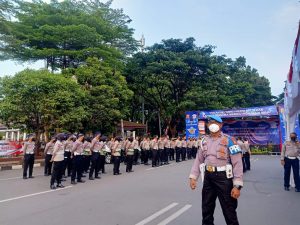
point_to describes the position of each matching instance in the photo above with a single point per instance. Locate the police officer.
(247, 154)
(172, 149)
(96, 147)
(167, 149)
(142, 150)
(103, 151)
(146, 147)
(178, 147)
(28, 149)
(129, 150)
(116, 152)
(87, 153)
(289, 153)
(136, 151)
(77, 152)
(48, 156)
(240, 143)
(183, 149)
(58, 162)
(67, 155)
(154, 149)
(222, 171)
(161, 150)
(190, 144)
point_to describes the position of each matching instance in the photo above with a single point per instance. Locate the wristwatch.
(239, 187)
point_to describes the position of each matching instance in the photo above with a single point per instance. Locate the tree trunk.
(159, 123)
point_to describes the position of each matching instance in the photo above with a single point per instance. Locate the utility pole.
(143, 100)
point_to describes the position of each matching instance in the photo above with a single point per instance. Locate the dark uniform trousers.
(154, 157)
(129, 160)
(288, 164)
(216, 184)
(57, 173)
(244, 163)
(189, 153)
(178, 154)
(76, 168)
(194, 152)
(67, 163)
(86, 163)
(48, 164)
(142, 156)
(95, 159)
(101, 164)
(28, 164)
(167, 153)
(117, 161)
(136, 156)
(161, 153)
(146, 156)
(183, 154)
(247, 160)
(172, 153)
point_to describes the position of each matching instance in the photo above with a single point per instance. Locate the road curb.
(17, 167)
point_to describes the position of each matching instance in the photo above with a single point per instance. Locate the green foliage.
(176, 76)
(107, 94)
(41, 101)
(65, 33)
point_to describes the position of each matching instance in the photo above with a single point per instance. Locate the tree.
(66, 33)
(176, 76)
(107, 94)
(39, 101)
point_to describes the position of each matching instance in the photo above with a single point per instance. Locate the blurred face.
(293, 137)
(32, 139)
(214, 126)
(81, 139)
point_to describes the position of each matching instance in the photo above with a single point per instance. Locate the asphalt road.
(148, 196)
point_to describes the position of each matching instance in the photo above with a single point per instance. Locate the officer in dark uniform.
(219, 161)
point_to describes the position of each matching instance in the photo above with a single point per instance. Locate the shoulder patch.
(235, 149)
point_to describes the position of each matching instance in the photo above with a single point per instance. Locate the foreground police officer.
(28, 151)
(289, 153)
(77, 151)
(58, 161)
(48, 155)
(221, 166)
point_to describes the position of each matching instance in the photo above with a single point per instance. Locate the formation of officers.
(77, 156)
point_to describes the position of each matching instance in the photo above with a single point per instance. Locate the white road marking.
(154, 168)
(15, 178)
(157, 214)
(34, 194)
(175, 215)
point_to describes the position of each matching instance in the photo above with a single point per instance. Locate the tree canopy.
(40, 101)
(175, 76)
(66, 33)
(107, 94)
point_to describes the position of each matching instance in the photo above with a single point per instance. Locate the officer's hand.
(282, 162)
(193, 184)
(235, 193)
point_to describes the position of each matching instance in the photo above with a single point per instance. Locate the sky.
(263, 31)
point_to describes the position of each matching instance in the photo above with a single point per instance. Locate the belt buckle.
(210, 168)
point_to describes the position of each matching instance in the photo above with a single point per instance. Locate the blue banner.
(191, 121)
(243, 112)
(258, 132)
